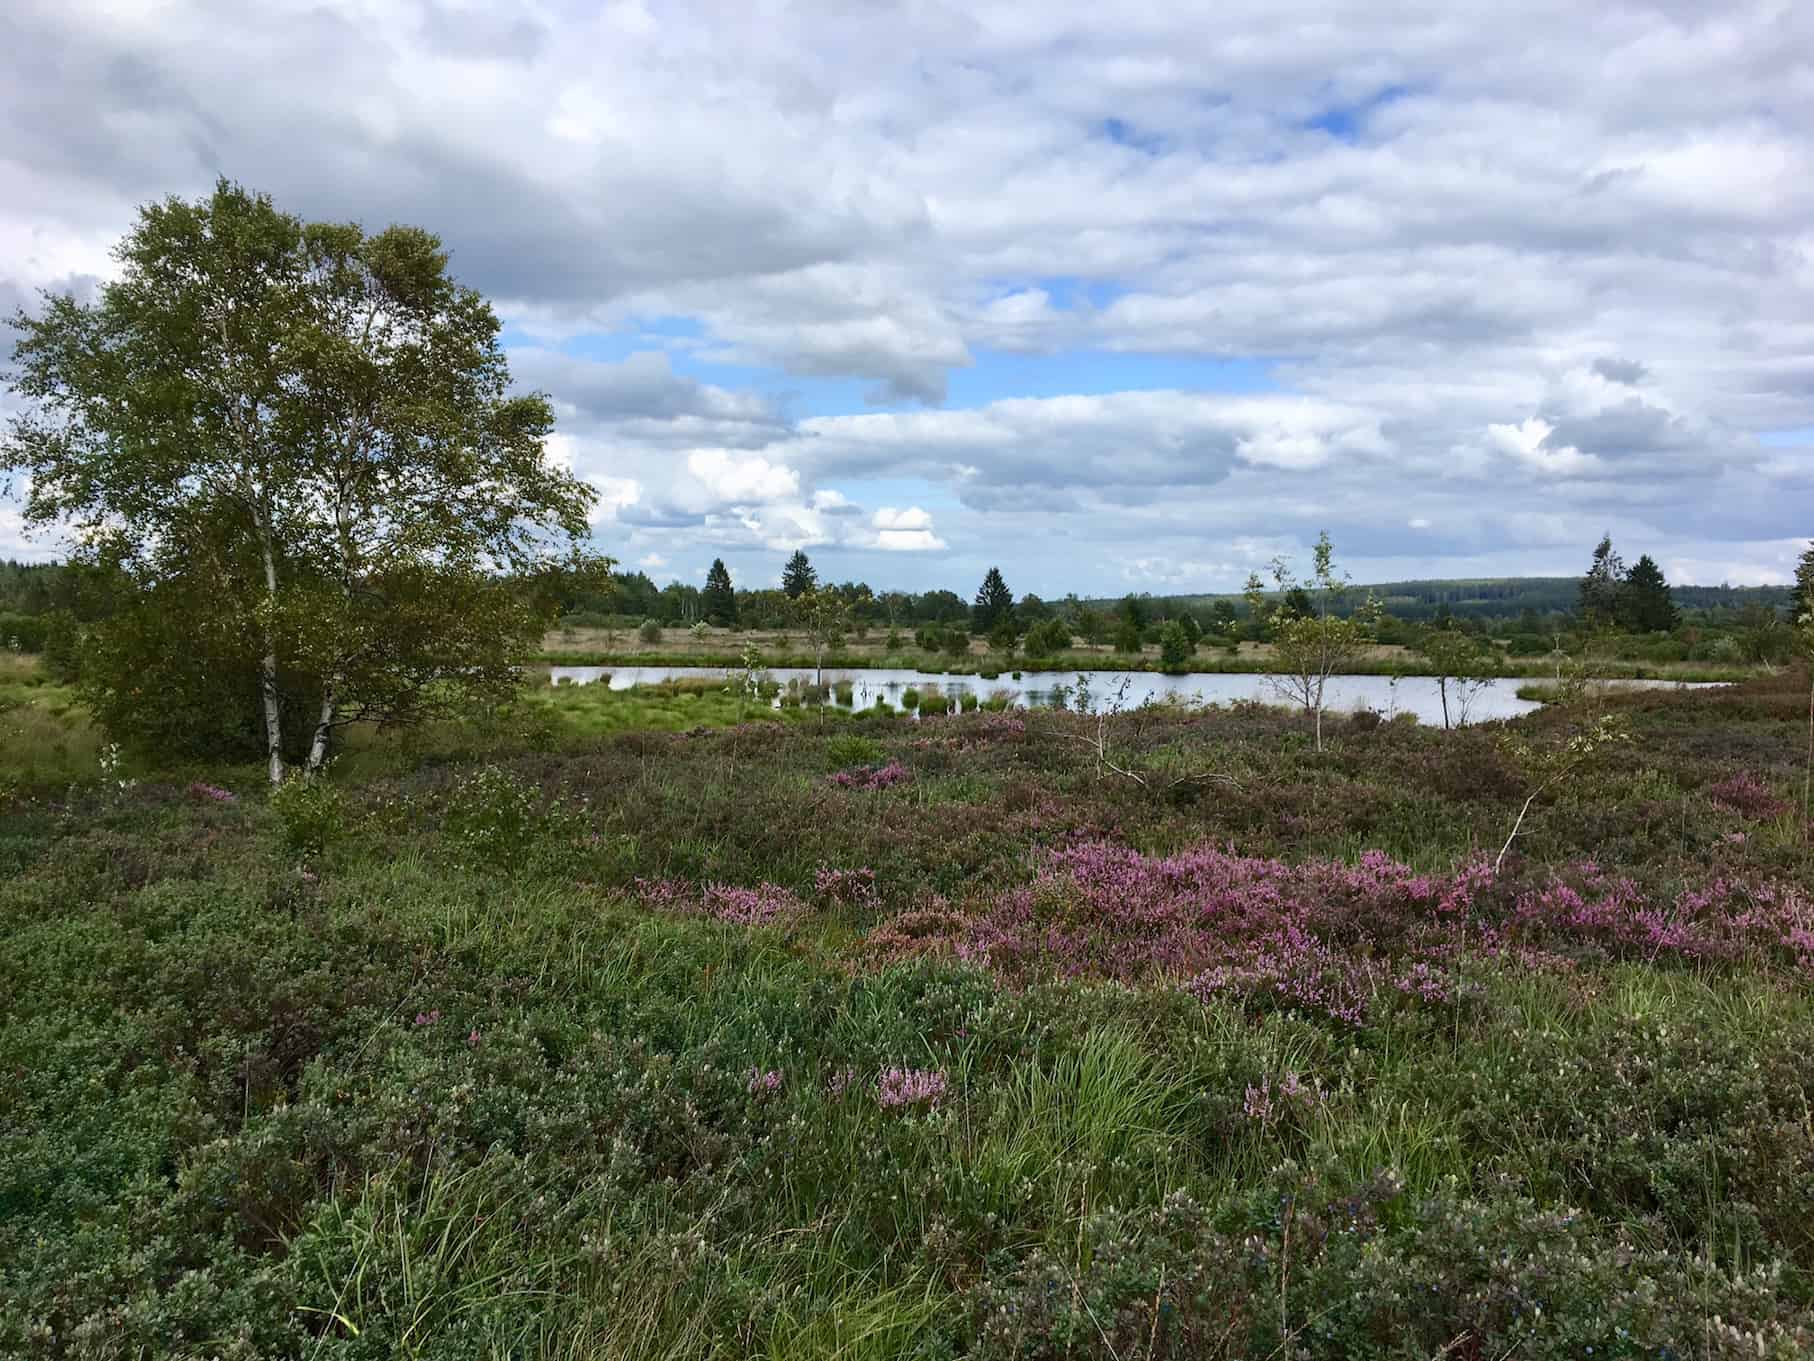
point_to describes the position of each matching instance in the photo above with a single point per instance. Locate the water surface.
(1386, 695)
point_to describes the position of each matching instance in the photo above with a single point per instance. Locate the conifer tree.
(719, 600)
(799, 576)
(994, 601)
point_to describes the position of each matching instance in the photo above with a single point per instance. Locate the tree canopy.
(1644, 600)
(799, 576)
(719, 599)
(297, 443)
(1599, 590)
(994, 602)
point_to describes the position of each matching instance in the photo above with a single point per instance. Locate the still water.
(1410, 694)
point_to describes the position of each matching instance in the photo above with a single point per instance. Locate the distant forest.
(1503, 599)
(38, 589)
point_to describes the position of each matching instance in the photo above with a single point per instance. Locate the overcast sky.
(1119, 296)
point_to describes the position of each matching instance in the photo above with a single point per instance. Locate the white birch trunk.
(268, 676)
(324, 727)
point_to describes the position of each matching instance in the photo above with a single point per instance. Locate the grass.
(425, 1093)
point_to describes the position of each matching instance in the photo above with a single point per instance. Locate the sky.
(1119, 297)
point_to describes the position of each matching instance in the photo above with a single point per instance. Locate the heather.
(567, 1034)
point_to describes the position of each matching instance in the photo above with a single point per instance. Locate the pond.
(1386, 694)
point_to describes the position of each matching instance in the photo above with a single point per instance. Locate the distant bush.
(910, 698)
(23, 632)
(1047, 639)
(935, 702)
(650, 632)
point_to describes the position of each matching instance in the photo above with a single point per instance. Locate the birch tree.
(316, 423)
(1310, 647)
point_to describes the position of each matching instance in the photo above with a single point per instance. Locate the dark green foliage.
(1645, 603)
(1599, 591)
(1046, 639)
(994, 603)
(1175, 646)
(798, 576)
(719, 599)
(1127, 637)
(1004, 635)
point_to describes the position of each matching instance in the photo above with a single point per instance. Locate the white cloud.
(911, 518)
(1528, 443)
(905, 531)
(730, 480)
(1511, 273)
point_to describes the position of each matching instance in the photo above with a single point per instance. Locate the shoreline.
(988, 668)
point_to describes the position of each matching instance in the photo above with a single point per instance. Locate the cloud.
(1529, 443)
(905, 531)
(1516, 273)
(1626, 371)
(730, 480)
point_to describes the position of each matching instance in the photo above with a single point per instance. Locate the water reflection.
(1387, 695)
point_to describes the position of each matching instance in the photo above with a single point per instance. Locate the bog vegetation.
(552, 1032)
(709, 1020)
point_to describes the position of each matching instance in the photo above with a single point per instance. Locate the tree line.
(305, 496)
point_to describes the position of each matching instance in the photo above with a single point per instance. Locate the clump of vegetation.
(1062, 1065)
(311, 815)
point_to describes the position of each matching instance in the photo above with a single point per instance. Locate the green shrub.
(23, 632)
(311, 815)
(910, 698)
(849, 749)
(650, 632)
(497, 821)
(935, 702)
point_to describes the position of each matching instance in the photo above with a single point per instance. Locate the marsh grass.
(388, 1098)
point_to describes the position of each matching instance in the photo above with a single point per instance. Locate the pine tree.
(719, 600)
(798, 577)
(1600, 587)
(1645, 605)
(993, 601)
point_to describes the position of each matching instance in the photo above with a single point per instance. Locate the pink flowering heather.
(846, 888)
(1329, 937)
(212, 793)
(840, 1082)
(865, 777)
(764, 905)
(761, 1083)
(899, 1087)
(1747, 796)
